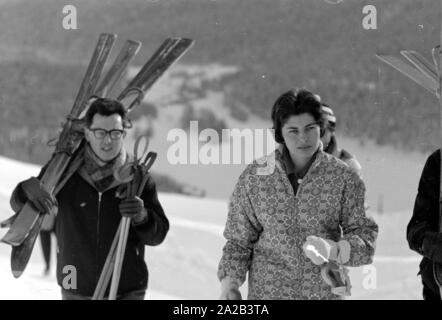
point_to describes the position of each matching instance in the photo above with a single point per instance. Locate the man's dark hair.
(327, 114)
(292, 103)
(107, 107)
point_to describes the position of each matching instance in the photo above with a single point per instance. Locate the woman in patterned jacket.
(294, 212)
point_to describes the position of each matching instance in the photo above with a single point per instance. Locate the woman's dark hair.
(107, 107)
(292, 103)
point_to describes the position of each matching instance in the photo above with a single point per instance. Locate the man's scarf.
(102, 173)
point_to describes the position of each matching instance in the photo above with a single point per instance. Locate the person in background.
(330, 143)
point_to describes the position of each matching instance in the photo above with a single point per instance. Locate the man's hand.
(40, 199)
(133, 208)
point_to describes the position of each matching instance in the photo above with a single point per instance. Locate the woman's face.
(301, 135)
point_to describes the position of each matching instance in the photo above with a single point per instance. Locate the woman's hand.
(230, 290)
(320, 250)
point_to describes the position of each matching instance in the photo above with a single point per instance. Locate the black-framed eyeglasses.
(114, 134)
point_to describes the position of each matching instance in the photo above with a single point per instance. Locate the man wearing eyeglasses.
(90, 209)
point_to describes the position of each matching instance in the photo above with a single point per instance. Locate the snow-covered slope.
(184, 266)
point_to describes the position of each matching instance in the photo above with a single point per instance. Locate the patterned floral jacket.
(267, 225)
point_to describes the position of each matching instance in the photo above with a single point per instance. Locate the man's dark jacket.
(422, 230)
(86, 224)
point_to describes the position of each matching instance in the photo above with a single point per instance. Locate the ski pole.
(141, 165)
(107, 269)
(122, 241)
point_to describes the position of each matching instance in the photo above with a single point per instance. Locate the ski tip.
(17, 273)
(3, 240)
(11, 241)
(181, 40)
(17, 265)
(134, 42)
(188, 41)
(108, 35)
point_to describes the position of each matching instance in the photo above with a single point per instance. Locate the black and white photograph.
(220, 150)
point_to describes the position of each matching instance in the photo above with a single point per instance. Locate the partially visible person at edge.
(422, 230)
(331, 144)
(283, 225)
(90, 209)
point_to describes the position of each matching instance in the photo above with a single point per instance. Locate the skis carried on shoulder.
(26, 226)
(166, 55)
(69, 140)
(118, 68)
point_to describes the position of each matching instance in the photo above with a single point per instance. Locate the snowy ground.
(184, 266)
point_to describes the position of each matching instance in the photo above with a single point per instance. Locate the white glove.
(230, 289)
(320, 250)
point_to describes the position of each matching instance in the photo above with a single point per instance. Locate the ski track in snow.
(210, 228)
(197, 225)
